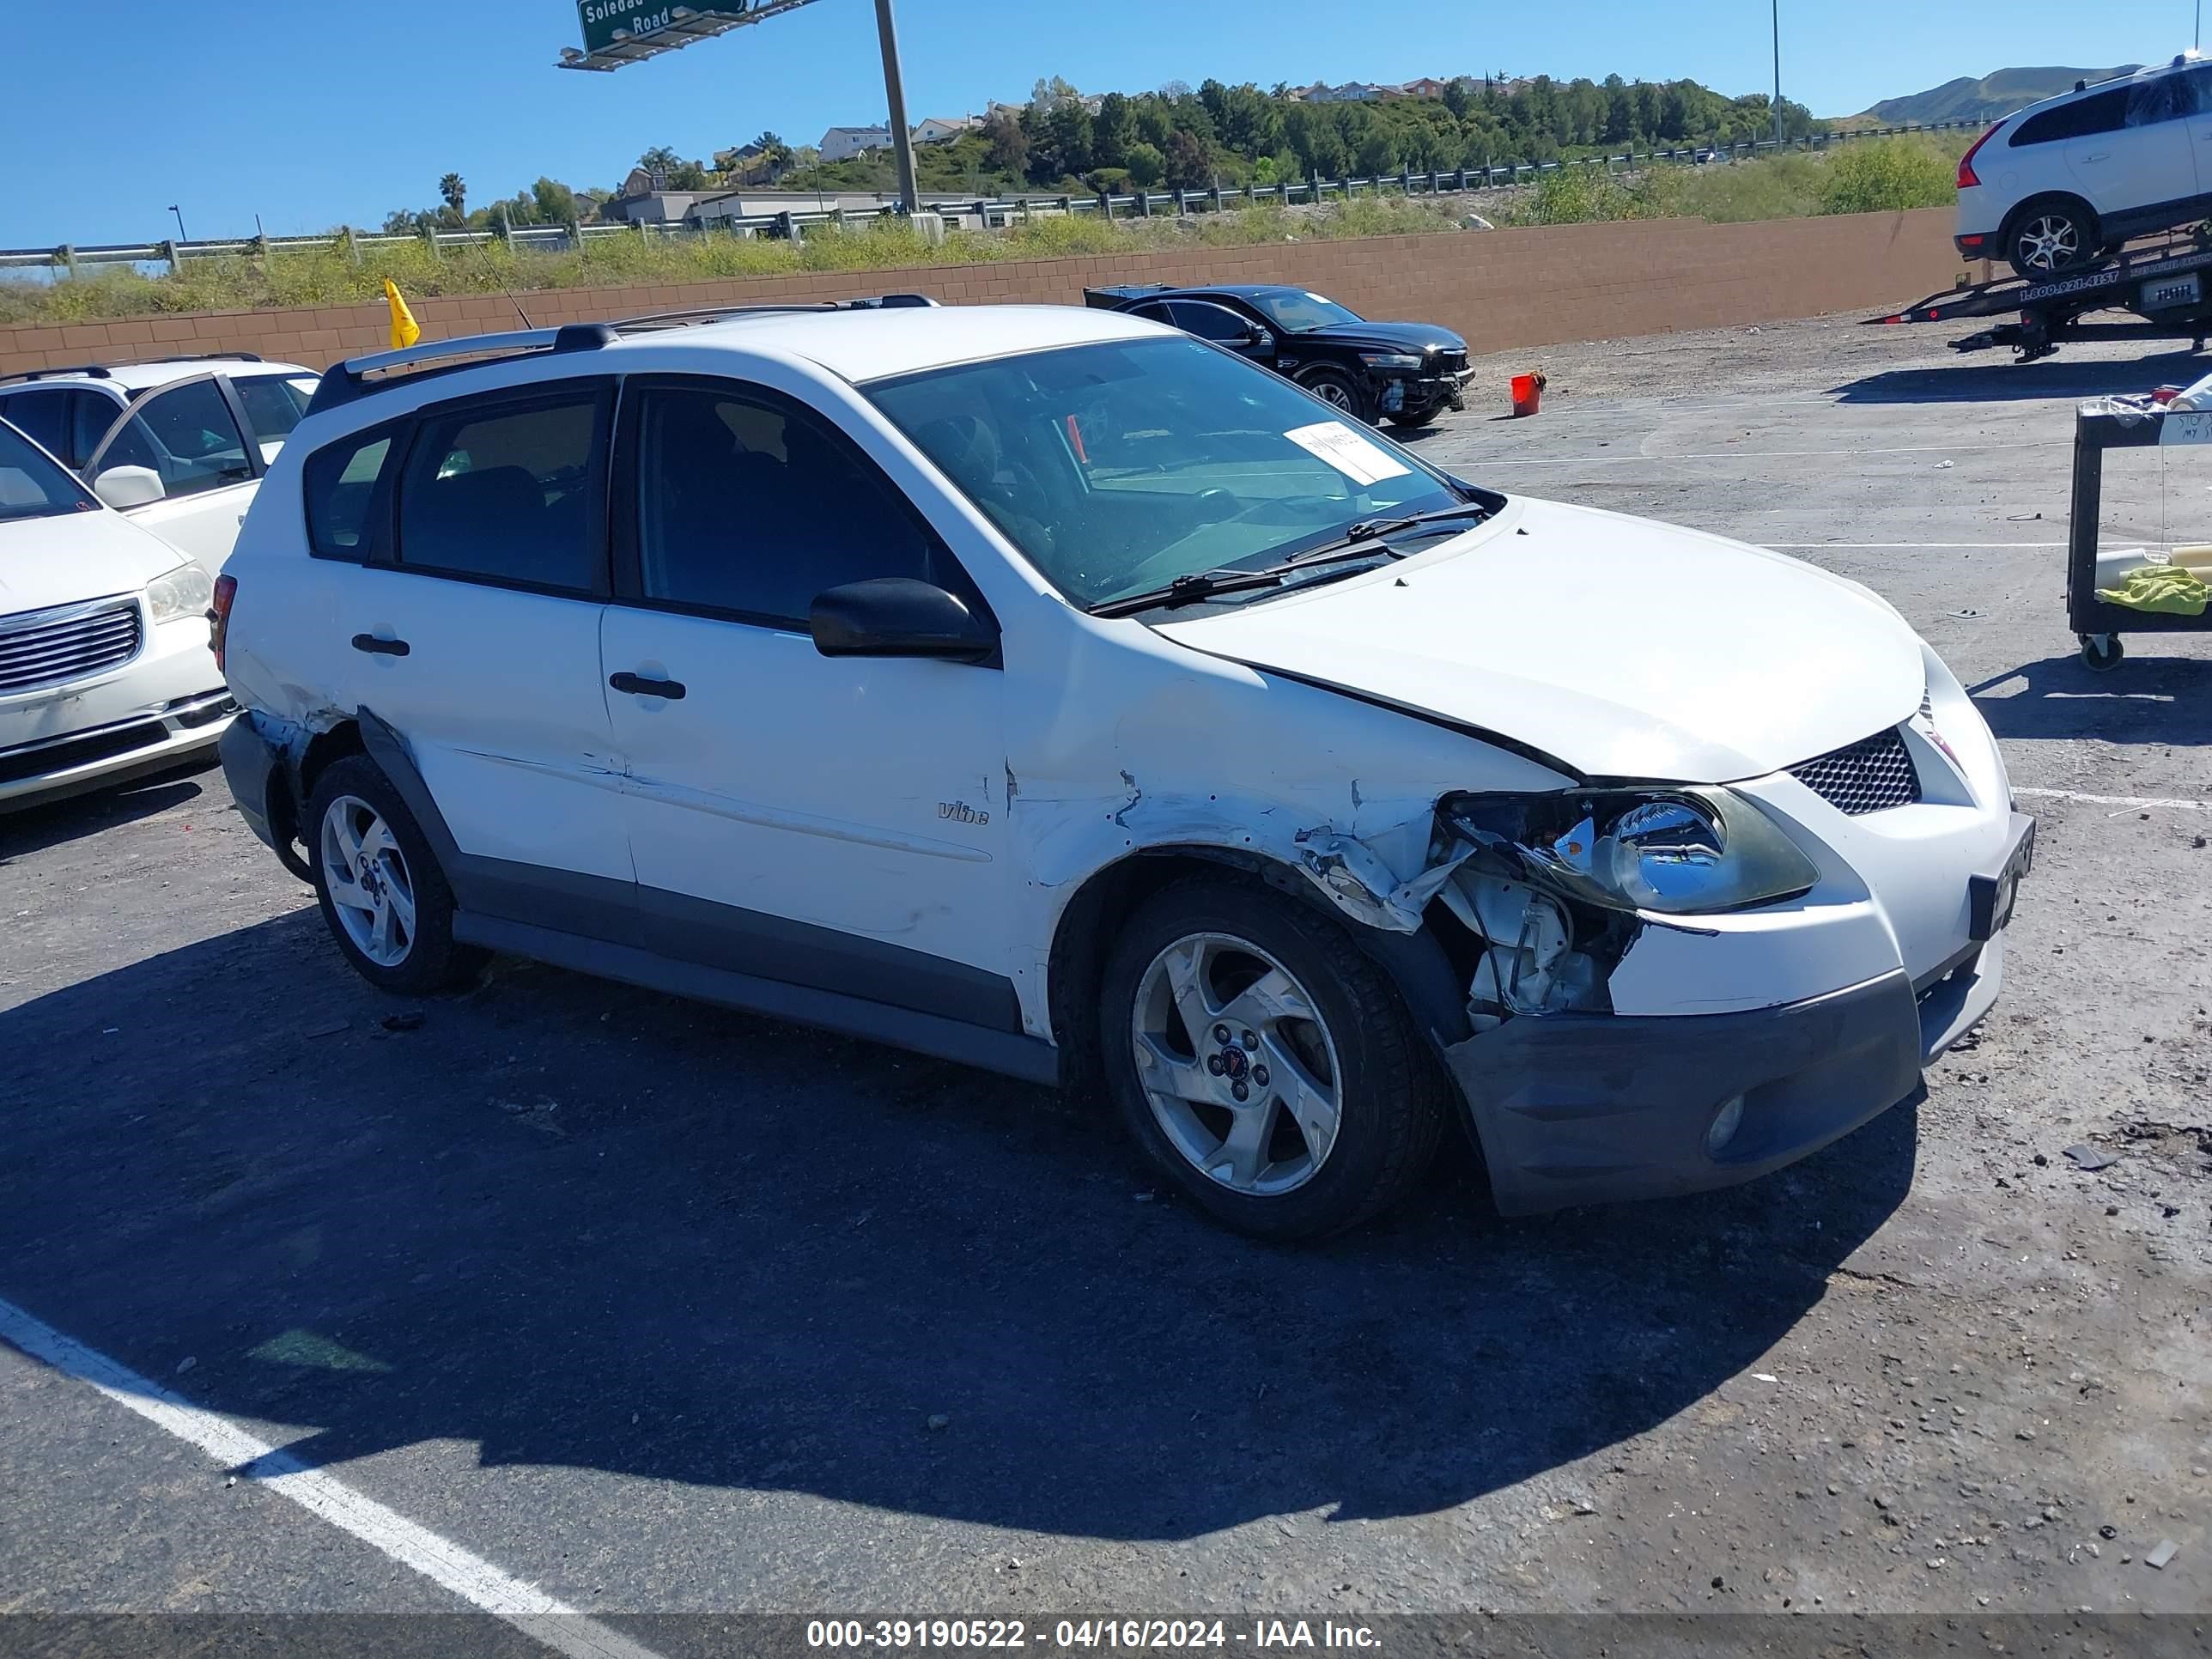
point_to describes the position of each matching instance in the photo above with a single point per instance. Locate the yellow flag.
(405, 331)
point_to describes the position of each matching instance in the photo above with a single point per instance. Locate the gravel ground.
(673, 1311)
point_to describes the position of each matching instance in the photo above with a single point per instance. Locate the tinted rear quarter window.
(341, 482)
(509, 493)
(41, 416)
(2100, 111)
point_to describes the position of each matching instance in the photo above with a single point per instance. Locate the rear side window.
(1211, 322)
(41, 416)
(509, 493)
(342, 484)
(746, 506)
(2100, 111)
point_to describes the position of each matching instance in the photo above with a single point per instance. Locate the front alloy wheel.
(367, 877)
(1237, 1064)
(1262, 1060)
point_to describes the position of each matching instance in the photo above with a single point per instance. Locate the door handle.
(636, 686)
(2101, 155)
(377, 648)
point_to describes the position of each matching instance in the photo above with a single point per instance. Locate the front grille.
(1450, 363)
(52, 647)
(1870, 776)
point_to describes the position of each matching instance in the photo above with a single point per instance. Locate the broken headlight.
(1677, 851)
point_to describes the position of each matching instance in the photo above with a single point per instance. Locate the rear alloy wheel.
(383, 895)
(1264, 1063)
(2049, 239)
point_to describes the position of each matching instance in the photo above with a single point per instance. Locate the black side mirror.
(900, 617)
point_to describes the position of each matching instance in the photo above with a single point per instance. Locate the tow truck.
(2167, 286)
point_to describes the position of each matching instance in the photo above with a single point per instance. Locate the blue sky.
(314, 114)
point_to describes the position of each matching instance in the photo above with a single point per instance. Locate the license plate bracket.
(1989, 899)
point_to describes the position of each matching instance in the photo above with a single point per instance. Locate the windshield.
(1116, 468)
(31, 484)
(1294, 311)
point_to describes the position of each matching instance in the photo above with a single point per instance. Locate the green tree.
(1113, 130)
(1189, 163)
(1008, 144)
(661, 159)
(1146, 164)
(454, 192)
(556, 202)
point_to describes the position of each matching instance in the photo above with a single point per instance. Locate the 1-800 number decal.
(917, 1633)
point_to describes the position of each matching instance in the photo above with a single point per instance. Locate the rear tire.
(2052, 235)
(1318, 1111)
(383, 896)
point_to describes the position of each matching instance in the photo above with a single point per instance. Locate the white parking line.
(1775, 455)
(1952, 547)
(2178, 802)
(475, 1580)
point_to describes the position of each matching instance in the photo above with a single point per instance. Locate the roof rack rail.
(342, 382)
(93, 371)
(208, 358)
(714, 314)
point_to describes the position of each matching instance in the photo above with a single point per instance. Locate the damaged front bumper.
(1580, 1109)
(1589, 1108)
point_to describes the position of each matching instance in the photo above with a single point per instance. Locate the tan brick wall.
(1502, 290)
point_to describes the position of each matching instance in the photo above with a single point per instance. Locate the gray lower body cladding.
(1587, 1109)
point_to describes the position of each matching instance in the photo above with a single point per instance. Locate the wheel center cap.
(1235, 1064)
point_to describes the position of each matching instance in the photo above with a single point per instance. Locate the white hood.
(1623, 648)
(76, 555)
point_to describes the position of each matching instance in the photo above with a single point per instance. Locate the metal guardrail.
(988, 213)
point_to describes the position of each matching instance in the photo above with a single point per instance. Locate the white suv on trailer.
(1053, 691)
(2060, 183)
(178, 444)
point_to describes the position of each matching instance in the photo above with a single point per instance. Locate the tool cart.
(2108, 423)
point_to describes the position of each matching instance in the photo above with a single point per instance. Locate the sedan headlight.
(187, 591)
(1678, 852)
(1391, 359)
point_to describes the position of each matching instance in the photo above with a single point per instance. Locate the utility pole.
(1778, 72)
(178, 211)
(894, 93)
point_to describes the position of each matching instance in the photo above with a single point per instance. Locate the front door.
(186, 433)
(474, 636)
(838, 823)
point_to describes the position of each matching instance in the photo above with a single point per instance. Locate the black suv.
(1406, 373)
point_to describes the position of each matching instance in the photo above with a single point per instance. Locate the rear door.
(189, 434)
(467, 553)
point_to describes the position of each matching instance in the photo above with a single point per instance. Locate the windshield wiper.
(1187, 590)
(1367, 531)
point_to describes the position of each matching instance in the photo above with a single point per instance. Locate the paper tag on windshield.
(1358, 457)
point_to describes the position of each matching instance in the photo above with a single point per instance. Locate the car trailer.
(2168, 287)
(2111, 423)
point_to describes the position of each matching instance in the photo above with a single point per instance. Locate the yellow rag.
(2168, 587)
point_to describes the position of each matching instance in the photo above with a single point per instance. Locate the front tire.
(2051, 236)
(1339, 391)
(1315, 1111)
(383, 896)
(1414, 423)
